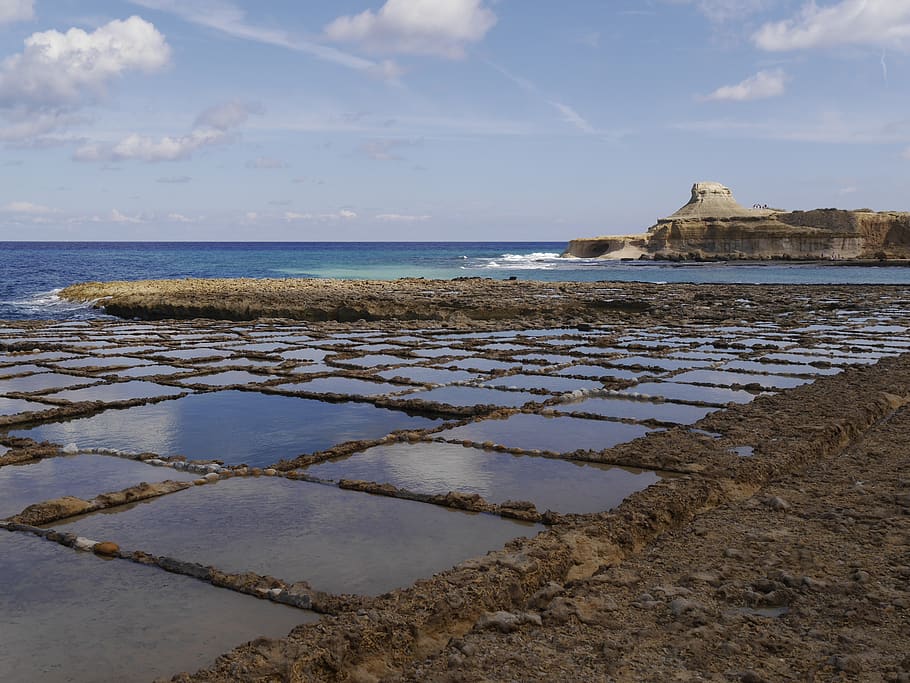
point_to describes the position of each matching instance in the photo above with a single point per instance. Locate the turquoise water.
(32, 271)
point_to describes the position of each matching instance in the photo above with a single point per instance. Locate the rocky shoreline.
(462, 302)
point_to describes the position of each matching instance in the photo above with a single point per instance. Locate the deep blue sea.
(32, 272)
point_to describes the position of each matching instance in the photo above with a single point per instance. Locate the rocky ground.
(807, 580)
(459, 301)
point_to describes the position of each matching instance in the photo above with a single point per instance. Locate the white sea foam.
(50, 305)
(533, 261)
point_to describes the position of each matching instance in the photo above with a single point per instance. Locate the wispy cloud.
(230, 19)
(212, 128)
(387, 149)
(266, 163)
(829, 127)
(16, 10)
(402, 218)
(881, 23)
(761, 86)
(567, 113)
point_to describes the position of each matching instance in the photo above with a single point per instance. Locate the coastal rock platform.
(462, 301)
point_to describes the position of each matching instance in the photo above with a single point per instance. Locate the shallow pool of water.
(118, 391)
(14, 406)
(232, 426)
(82, 476)
(71, 616)
(226, 379)
(727, 379)
(690, 392)
(339, 541)
(481, 364)
(376, 360)
(555, 385)
(428, 375)
(620, 408)
(437, 468)
(561, 434)
(347, 386)
(42, 382)
(460, 396)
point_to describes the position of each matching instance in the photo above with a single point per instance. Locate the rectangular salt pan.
(545, 433)
(339, 541)
(118, 391)
(459, 396)
(43, 381)
(627, 409)
(555, 385)
(347, 386)
(14, 406)
(232, 426)
(692, 393)
(437, 468)
(729, 378)
(82, 476)
(71, 616)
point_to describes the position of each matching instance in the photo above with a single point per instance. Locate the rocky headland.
(713, 225)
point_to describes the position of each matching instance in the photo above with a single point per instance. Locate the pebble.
(106, 548)
(212, 476)
(86, 544)
(777, 503)
(680, 606)
(270, 472)
(507, 622)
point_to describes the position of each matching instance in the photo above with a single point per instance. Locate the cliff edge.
(713, 225)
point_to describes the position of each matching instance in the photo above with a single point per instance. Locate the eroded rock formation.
(714, 225)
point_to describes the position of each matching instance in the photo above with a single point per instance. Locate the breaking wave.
(46, 305)
(533, 261)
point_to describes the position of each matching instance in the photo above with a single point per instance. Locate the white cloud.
(231, 20)
(723, 11)
(66, 68)
(144, 148)
(425, 27)
(762, 85)
(343, 215)
(118, 217)
(16, 10)
(386, 149)
(881, 23)
(212, 128)
(27, 208)
(25, 124)
(180, 218)
(401, 218)
(265, 163)
(228, 115)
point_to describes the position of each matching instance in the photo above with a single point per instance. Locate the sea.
(33, 273)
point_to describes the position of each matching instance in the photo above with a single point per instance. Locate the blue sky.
(440, 119)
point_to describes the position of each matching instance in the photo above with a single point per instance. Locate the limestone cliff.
(713, 225)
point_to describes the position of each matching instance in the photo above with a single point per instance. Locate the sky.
(489, 120)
